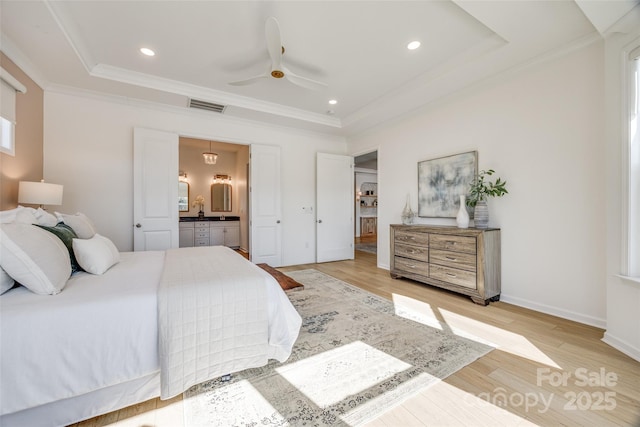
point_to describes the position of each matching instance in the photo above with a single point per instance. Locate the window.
(8, 87)
(633, 211)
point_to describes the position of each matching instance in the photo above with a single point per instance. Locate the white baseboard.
(555, 311)
(622, 345)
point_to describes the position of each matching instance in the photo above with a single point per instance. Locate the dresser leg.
(480, 301)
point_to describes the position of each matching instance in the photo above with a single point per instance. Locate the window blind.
(8, 87)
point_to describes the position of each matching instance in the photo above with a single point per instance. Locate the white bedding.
(219, 314)
(109, 321)
(101, 333)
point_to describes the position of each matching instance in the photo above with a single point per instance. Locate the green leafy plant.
(481, 188)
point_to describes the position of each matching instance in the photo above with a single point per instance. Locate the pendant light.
(210, 158)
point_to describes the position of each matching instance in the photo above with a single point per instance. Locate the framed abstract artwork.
(442, 181)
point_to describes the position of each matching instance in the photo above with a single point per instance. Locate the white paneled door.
(335, 207)
(155, 190)
(265, 205)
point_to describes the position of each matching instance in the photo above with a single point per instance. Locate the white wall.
(88, 147)
(542, 130)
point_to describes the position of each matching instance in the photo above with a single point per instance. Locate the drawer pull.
(451, 242)
(451, 275)
(450, 258)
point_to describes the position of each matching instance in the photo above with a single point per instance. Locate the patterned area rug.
(354, 360)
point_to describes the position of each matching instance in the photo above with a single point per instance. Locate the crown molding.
(71, 34)
(205, 94)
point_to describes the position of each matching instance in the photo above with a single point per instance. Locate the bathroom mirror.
(183, 196)
(220, 197)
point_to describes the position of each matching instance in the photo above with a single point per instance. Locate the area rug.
(354, 360)
(371, 248)
(286, 282)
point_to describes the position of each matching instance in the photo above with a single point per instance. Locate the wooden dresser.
(463, 260)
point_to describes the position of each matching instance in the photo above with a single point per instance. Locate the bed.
(153, 324)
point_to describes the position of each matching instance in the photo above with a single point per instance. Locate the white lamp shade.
(39, 193)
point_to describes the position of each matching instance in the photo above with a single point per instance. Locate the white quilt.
(218, 314)
(99, 331)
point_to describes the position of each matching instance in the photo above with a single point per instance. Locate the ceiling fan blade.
(249, 80)
(303, 81)
(274, 42)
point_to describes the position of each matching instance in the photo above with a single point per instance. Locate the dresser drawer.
(202, 229)
(413, 252)
(460, 260)
(412, 238)
(201, 241)
(411, 266)
(202, 234)
(453, 275)
(201, 224)
(453, 243)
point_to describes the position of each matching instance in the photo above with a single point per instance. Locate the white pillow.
(19, 214)
(79, 222)
(45, 218)
(34, 258)
(9, 215)
(6, 282)
(26, 216)
(95, 255)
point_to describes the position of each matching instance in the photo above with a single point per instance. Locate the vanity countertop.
(209, 218)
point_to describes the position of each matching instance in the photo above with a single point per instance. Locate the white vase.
(481, 214)
(462, 219)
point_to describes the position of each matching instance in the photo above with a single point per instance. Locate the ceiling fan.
(277, 69)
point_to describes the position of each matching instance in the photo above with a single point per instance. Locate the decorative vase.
(462, 219)
(201, 215)
(407, 213)
(481, 214)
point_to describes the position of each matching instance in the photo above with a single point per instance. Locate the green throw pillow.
(66, 234)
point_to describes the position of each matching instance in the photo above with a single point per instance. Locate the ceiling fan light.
(413, 45)
(210, 158)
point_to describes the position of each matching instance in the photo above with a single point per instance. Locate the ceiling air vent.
(204, 105)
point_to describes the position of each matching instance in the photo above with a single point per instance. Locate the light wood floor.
(545, 371)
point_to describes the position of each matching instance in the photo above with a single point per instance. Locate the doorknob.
(319, 221)
(138, 225)
(278, 222)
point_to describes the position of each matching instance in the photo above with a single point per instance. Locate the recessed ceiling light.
(413, 45)
(147, 51)
(333, 102)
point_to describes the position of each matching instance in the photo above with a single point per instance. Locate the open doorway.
(366, 203)
(202, 178)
